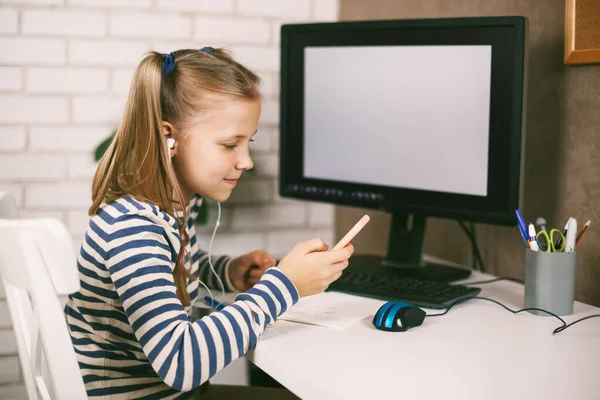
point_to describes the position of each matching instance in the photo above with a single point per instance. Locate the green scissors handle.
(547, 242)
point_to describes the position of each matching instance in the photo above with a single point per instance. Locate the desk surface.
(476, 351)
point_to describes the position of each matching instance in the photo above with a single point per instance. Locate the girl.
(184, 136)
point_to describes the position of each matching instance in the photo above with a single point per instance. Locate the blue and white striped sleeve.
(221, 266)
(185, 354)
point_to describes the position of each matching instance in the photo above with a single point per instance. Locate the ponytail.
(138, 164)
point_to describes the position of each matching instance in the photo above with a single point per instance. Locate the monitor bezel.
(506, 35)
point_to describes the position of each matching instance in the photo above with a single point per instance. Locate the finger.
(336, 277)
(268, 260)
(339, 267)
(350, 248)
(261, 263)
(253, 282)
(311, 246)
(336, 256)
(257, 259)
(256, 273)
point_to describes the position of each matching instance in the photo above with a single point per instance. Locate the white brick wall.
(12, 79)
(58, 196)
(19, 108)
(11, 369)
(12, 138)
(150, 25)
(207, 7)
(9, 20)
(295, 9)
(65, 69)
(8, 343)
(40, 167)
(108, 3)
(31, 51)
(16, 191)
(63, 23)
(97, 109)
(110, 52)
(269, 216)
(5, 321)
(66, 138)
(67, 80)
(232, 30)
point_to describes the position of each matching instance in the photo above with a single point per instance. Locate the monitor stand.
(405, 253)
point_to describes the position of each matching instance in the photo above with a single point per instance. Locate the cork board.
(582, 31)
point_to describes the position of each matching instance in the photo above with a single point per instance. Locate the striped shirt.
(132, 335)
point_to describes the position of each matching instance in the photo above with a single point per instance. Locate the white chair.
(8, 207)
(37, 267)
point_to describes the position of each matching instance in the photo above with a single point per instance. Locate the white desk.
(476, 351)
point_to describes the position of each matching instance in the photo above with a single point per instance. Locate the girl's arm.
(221, 266)
(185, 354)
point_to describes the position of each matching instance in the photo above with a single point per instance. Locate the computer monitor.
(414, 117)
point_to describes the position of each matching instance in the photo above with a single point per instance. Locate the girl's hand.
(311, 268)
(245, 271)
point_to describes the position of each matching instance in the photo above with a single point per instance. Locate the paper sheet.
(331, 309)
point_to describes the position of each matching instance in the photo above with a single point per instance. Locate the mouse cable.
(502, 278)
(474, 246)
(557, 330)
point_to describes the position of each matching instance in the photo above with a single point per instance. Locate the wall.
(65, 67)
(562, 169)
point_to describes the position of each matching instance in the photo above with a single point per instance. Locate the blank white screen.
(403, 116)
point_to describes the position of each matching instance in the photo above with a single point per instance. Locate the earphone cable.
(210, 249)
(557, 330)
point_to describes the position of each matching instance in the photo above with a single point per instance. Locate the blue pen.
(213, 303)
(522, 226)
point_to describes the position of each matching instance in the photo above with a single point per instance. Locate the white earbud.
(170, 144)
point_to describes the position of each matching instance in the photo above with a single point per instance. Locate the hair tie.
(168, 64)
(207, 49)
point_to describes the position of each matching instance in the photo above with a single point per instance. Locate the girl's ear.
(168, 130)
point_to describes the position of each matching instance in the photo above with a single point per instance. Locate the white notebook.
(332, 309)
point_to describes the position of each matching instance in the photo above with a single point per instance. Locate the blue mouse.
(395, 316)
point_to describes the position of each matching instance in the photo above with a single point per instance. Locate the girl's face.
(210, 156)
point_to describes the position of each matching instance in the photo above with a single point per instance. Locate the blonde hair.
(137, 163)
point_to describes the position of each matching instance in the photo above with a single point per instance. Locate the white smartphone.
(352, 232)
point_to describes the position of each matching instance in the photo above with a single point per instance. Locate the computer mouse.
(396, 316)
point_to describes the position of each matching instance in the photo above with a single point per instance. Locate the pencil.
(582, 232)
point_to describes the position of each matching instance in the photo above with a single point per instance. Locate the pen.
(522, 227)
(533, 244)
(564, 232)
(213, 303)
(582, 232)
(571, 233)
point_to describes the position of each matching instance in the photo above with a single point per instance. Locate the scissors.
(547, 244)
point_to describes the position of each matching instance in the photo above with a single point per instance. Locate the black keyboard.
(416, 291)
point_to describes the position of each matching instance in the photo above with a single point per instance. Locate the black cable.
(557, 330)
(562, 328)
(504, 278)
(474, 246)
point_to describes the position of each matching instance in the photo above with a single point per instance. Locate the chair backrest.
(37, 264)
(8, 207)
